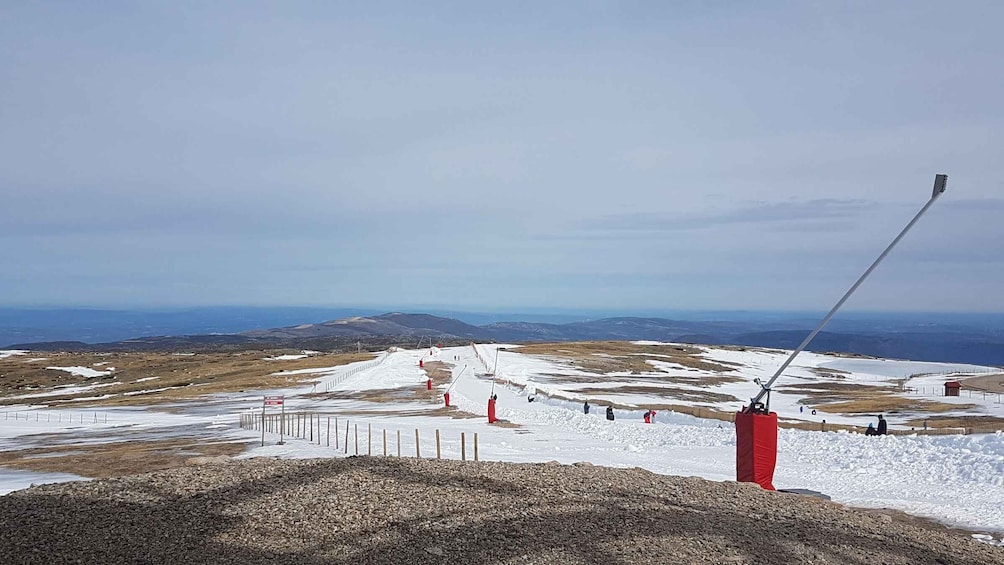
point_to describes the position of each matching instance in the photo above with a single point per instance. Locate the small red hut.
(952, 388)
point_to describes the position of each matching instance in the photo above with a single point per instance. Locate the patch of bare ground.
(847, 355)
(389, 510)
(451, 411)
(830, 373)
(684, 394)
(117, 458)
(623, 356)
(891, 404)
(505, 424)
(701, 380)
(856, 398)
(183, 376)
(990, 383)
(972, 424)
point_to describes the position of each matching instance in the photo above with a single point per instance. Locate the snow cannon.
(756, 425)
(446, 399)
(756, 446)
(491, 411)
(428, 384)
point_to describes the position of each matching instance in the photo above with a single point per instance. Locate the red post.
(491, 411)
(420, 363)
(446, 398)
(428, 384)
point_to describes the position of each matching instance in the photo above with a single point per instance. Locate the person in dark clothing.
(585, 408)
(610, 413)
(881, 426)
(871, 430)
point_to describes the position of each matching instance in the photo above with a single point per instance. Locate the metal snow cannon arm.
(940, 184)
(756, 425)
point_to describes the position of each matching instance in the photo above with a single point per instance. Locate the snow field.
(955, 479)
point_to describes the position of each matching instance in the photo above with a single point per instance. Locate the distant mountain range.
(918, 341)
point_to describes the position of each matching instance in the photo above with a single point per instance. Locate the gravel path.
(388, 510)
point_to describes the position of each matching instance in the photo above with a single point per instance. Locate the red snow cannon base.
(756, 448)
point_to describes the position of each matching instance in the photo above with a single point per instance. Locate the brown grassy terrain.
(185, 376)
(602, 357)
(663, 392)
(117, 458)
(892, 404)
(989, 383)
(973, 423)
(856, 398)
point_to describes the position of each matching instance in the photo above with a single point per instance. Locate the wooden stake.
(311, 427)
(336, 432)
(328, 440)
(369, 439)
(439, 454)
(463, 447)
(418, 452)
(475, 446)
(346, 437)
(385, 443)
(399, 443)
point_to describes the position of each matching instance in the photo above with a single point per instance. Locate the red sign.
(273, 400)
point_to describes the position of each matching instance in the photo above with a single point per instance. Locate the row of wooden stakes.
(302, 425)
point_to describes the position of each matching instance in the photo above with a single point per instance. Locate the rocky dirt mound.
(379, 510)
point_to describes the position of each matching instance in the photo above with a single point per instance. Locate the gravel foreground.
(389, 510)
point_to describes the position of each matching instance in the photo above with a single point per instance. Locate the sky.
(492, 156)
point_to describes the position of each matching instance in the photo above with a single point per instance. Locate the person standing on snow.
(881, 426)
(585, 408)
(610, 413)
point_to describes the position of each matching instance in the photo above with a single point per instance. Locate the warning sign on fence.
(274, 400)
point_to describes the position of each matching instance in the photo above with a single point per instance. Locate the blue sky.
(501, 156)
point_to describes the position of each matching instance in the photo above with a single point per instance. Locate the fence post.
(399, 443)
(475, 446)
(418, 452)
(346, 437)
(356, 426)
(438, 451)
(328, 440)
(336, 432)
(311, 427)
(463, 447)
(369, 439)
(385, 442)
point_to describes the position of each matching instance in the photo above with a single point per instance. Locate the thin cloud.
(823, 213)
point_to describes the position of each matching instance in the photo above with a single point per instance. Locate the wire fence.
(343, 435)
(332, 382)
(56, 417)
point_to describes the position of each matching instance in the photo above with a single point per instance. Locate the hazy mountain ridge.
(920, 342)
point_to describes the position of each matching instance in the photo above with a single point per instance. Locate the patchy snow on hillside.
(957, 479)
(86, 372)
